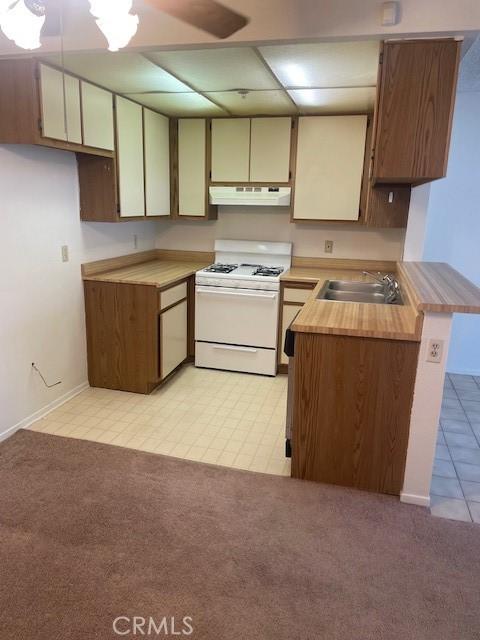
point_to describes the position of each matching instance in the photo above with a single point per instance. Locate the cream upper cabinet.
(157, 163)
(173, 338)
(61, 113)
(192, 141)
(230, 150)
(97, 114)
(330, 154)
(270, 149)
(129, 121)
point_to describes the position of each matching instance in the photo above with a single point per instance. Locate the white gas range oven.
(237, 306)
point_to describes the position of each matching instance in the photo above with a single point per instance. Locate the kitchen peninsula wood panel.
(415, 108)
(352, 414)
(122, 336)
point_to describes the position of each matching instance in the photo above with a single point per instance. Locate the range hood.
(251, 196)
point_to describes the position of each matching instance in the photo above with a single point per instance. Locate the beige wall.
(269, 223)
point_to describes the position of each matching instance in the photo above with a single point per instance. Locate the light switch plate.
(435, 350)
(65, 256)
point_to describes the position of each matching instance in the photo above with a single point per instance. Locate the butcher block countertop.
(433, 287)
(155, 268)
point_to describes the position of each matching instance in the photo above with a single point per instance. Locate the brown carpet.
(89, 532)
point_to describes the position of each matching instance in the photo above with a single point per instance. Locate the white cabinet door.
(231, 150)
(61, 115)
(289, 312)
(173, 336)
(157, 163)
(97, 113)
(329, 171)
(270, 149)
(129, 120)
(192, 140)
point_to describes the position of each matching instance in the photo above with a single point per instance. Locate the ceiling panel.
(255, 103)
(338, 64)
(218, 69)
(121, 72)
(356, 100)
(179, 104)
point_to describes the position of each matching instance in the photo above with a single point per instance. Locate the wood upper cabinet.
(414, 111)
(270, 149)
(230, 150)
(60, 105)
(251, 149)
(129, 128)
(156, 137)
(329, 169)
(97, 115)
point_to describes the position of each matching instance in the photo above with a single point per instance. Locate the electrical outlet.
(328, 246)
(435, 350)
(65, 257)
(135, 241)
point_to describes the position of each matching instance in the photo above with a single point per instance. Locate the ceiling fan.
(23, 20)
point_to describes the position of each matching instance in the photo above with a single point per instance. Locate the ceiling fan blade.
(208, 15)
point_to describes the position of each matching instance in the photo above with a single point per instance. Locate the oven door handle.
(228, 347)
(270, 296)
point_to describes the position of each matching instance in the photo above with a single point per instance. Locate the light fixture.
(296, 75)
(114, 19)
(22, 21)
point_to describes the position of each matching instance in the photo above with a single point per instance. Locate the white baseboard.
(411, 498)
(41, 413)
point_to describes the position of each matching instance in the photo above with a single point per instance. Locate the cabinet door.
(156, 137)
(270, 149)
(173, 338)
(230, 150)
(192, 140)
(329, 170)
(97, 114)
(289, 312)
(61, 119)
(415, 109)
(129, 120)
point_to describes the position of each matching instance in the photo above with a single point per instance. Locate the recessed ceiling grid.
(269, 80)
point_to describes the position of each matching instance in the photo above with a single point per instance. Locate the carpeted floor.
(90, 532)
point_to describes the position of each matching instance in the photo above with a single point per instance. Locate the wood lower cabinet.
(173, 338)
(414, 111)
(293, 295)
(351, 416)
(133, 343)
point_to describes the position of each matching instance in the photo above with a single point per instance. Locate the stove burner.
(268, 271)
(221, 268)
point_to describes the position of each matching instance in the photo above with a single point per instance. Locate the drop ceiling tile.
(336, 64)
(120, 72)
(356, 100)
(218, 69)
(179, 104)
(255, 103)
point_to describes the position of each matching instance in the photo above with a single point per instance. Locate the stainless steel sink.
(364, 287)
(345, 291)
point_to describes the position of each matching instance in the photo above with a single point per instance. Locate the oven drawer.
(234, 358)
(236, 316)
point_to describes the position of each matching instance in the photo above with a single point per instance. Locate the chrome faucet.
(392, 288)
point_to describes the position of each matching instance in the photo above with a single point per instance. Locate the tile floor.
(231, 419)
(455, 490)
(238, 420)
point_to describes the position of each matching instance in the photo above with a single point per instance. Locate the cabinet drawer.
(173, 295)
(233, 358)
(296, 295)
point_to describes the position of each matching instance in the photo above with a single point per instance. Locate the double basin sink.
(351, 291)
